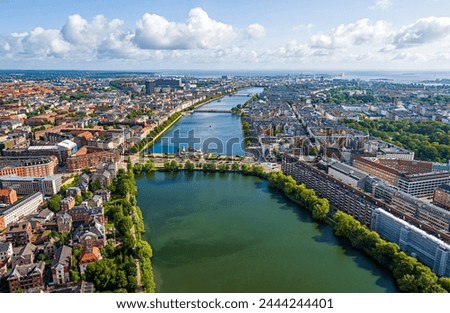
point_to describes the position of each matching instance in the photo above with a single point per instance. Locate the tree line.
(430, 140)
(299, 193)
(117, 271)
(410, 274)
(154, 133)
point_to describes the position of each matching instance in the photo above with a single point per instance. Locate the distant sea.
(392, 76)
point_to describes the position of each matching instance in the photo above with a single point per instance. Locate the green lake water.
(232, 233)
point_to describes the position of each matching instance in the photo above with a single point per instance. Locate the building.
(414, 241)
(347, 174)
(168, 82)
(6, 252)
(82, 214)
(28, 166)
(368, 165)
(61, 152)
(23, 255)
(423, 185)
(441, 196)
(64, 223)
(91, 159)
(376, 194)
(105, 194)
(66, 204)
(88, 257)
(89, 236)
(73, 192)
(61, 265)
(149, 87)
(407, 166)
(20, 209)
(419, 185)
(26, 277)
(8, 196)
(48, 186)
(341, 196)
(19, 234)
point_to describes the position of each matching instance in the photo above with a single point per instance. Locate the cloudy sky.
(232, 34)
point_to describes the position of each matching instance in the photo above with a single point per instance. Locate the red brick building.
(90, 158)
(8, 196)
(27, 277)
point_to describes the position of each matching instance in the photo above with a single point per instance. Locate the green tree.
(78, 200)
(445, 283)
(103, 274)
(321, 208)
(246, 168)
(54, 203)
(149, 166)
(189, 166)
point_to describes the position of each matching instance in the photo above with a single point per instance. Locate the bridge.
(212, 111)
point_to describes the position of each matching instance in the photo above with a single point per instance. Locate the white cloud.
(301, 27)
(256, 31)
(381, 5)
(39, 43)
(199, 31)
(358, 33)
(423, 31)
(81, 32)
(154, 38)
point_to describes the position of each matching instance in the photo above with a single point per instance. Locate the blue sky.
(233, 35)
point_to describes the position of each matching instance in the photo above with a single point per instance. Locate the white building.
(6, 251)
(22, 208)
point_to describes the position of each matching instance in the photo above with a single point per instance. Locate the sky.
(225, 35)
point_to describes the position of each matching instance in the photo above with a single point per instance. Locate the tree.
(189, 166)
(149, 166)
(138, 168)
(321, 208)
(103, 274)
(54, 203)
(235, 167)
(95, 185)
(246, 168)
(78, 200)
(87, 195)
(223, 167)
(258, 170)
(74, 275)
(445, 283)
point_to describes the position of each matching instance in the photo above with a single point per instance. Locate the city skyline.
(263, 35)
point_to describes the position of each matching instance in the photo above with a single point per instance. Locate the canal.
(214, 232)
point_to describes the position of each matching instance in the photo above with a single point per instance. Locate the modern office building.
(27, 185)
(419, 184)
(422, 185)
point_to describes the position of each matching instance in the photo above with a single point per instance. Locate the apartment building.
(428, 249)
(28, 166)
(376, 194)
